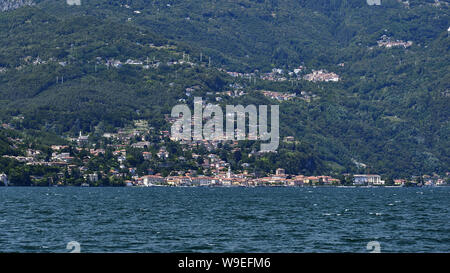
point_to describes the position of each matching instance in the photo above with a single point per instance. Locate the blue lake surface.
(160, 219)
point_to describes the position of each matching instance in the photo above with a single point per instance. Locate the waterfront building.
(150, 180)
(4, 179)
(367, 179)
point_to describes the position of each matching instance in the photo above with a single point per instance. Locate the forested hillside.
(389, 110)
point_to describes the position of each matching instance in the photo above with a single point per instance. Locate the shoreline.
(166, 186)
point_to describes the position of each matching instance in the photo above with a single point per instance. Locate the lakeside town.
(143, 156)
(140, 156)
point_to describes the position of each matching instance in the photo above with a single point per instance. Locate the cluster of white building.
(387, 42)
(322, 76)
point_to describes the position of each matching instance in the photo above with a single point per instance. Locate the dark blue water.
(224, 219)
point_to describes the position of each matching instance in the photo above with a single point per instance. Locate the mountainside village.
(139, 156)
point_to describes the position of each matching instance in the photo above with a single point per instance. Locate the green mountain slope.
(390, 111)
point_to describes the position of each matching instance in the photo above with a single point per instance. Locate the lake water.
(162, 219)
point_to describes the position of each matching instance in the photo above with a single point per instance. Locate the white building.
(367, 179)
(73, 2)
(93, 177)
(4, 179)
(374, 2)
(82, 140)
(150, 180)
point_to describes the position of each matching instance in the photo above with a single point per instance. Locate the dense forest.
(390, 110)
